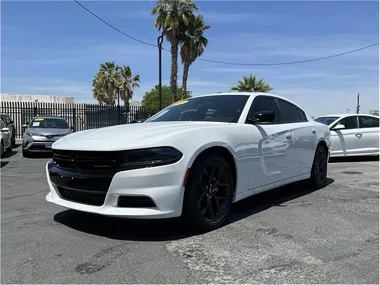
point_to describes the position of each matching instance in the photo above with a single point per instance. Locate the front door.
(270, 146)
(345, 141)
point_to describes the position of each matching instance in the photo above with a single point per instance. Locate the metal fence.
(79, 116)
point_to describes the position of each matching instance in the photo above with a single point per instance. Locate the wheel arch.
(223, 151)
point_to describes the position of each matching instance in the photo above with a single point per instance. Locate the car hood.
(47, 131)
(132, 136)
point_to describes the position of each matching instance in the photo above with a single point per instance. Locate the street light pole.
(118, 105)
(159, 44)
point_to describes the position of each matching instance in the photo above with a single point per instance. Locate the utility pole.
(358, 104)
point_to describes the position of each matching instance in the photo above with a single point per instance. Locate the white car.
(6, 138)
(192, 159)
(352, 134)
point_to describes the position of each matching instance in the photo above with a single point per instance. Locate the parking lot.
(288, 235)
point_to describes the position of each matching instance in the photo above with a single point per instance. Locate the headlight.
(29, 133)
(150, 157)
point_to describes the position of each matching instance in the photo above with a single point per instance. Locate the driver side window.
(266, 103)
(348, 123)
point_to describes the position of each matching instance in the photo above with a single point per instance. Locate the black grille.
(94, 198)
(88, 160)
(135, 202)
(38, 147)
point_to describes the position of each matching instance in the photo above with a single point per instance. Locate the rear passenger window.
(368, 122)
(263, 103)
(289, 112)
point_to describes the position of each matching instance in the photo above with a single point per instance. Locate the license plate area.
(48, 145)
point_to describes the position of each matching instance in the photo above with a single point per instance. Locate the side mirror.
(25, 125)
(5, 130)
(262, 117)
(338, 127)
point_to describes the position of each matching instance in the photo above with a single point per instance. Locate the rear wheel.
(209, 193)
(318, 176)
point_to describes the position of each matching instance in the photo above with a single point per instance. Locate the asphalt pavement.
(288, 235)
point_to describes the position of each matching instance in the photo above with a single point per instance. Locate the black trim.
(135, 202)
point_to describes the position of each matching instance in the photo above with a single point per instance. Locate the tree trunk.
(174, 71)
(186, 68)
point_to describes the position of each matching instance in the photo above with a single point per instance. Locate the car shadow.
(10, 154)
(354, 159)
(4, 163)
(174, 229)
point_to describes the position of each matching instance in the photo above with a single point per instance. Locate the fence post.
(35, 111)
(74, 120)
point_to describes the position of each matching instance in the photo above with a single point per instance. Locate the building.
(6, 97)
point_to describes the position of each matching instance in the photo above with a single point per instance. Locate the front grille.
(38, 147)
(135, 202)
(93, 198)
(87, 160)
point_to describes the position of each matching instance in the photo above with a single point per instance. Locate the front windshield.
(49, 123)
(326, 120)
(216, 108)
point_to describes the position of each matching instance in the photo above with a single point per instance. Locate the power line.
(226, 62)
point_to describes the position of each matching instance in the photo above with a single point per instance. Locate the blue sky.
(55, 48)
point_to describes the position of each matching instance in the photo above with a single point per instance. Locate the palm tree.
(128, 82)
(172, 18)
(251, 84)
(193, 46)
(108, 79)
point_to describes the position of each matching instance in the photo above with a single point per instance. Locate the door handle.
(358, 134)
(288, 135)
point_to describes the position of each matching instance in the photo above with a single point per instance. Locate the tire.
(2, 149)
(9, 149)
(25, 153)
(200, 199)
(318, 176)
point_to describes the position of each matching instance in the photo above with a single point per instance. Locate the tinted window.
(349, 122)
(217, 108)
(326, 120)
(368, 122)
(290, 113)
(49, 123)
(262, 103)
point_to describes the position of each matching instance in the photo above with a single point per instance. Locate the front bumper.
(149, 193)
(38, 144)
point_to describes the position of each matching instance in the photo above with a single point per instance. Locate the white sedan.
(192, 159)
(352, 134)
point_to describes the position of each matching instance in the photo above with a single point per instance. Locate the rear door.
(369, 132)
(346, 141)
(303, 138)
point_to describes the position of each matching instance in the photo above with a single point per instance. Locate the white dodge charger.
(192, 159)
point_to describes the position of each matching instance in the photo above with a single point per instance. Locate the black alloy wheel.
(209, 194)
(318, 175)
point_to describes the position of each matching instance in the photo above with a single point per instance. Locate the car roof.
(49, 117)
(251, 94)
(347, 115)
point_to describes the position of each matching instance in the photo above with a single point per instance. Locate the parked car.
(42, 132)
(11, 126)
(6, 138)
(352, 134)
(194, 158)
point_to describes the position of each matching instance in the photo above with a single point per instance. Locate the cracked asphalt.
(288, 235)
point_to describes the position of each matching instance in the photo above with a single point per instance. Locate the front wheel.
(209, 193)
(318, 176)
